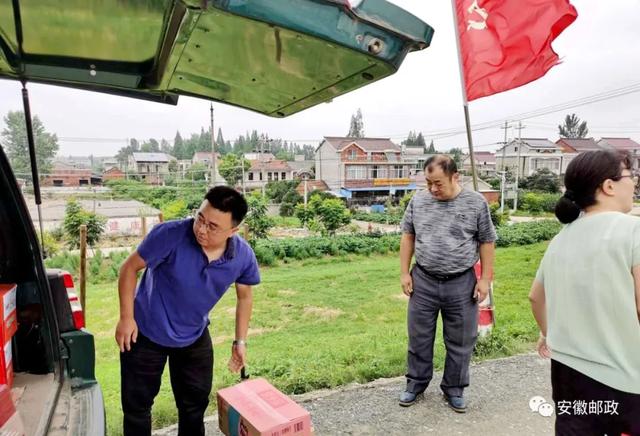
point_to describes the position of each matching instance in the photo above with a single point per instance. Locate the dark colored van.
(276, 57)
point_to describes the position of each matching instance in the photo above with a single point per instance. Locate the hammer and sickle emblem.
(473, 24)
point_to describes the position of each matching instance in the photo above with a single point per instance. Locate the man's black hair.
(227, 199)
(445, 162)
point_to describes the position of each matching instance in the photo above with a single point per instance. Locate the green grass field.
(321, 323)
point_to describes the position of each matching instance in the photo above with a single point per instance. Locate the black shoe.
(408, 398)
(456, 402)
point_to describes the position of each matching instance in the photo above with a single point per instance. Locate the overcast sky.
(599, 50)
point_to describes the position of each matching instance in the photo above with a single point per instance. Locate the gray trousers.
(454, 298)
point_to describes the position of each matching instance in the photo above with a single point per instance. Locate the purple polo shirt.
(180, 286)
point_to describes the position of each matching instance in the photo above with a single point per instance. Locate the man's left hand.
(482, 290)
(238, 357)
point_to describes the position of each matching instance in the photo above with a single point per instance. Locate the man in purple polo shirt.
(189, 265)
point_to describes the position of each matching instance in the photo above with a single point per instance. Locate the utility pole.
(126, 164)
(213, 152)
(503, 169)
(244, 191)
(502, 182)
(261, 140)
(504, 143)
(520, 127)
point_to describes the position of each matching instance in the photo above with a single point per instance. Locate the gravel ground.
(498, 404)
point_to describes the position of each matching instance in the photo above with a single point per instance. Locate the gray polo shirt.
(448, 233)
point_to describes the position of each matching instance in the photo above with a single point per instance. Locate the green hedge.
(527, 233)
(536, 202)
(378, 218)
(269, 251)
(101, 269)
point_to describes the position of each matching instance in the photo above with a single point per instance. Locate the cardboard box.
(10, 422)
(8, 312)
(256, 408)
(13, 427)
(7, 406)
(6, 362)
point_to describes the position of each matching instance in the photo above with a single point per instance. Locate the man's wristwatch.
(240, 342)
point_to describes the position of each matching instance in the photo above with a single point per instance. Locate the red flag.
(507, 43)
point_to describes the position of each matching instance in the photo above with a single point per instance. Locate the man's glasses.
(210, 228)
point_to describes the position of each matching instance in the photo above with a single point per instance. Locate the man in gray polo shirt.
(447, 228)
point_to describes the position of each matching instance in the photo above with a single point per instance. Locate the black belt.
(442, 277)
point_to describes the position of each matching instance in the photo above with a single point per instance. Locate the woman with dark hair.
(586, 300)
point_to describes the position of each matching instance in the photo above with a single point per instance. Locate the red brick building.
(113, 173)
(66, 175)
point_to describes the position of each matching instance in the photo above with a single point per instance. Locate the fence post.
(160, 217)
(83, 268)
(245, 232)
(144, 226)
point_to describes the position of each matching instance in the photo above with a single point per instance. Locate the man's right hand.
(407, 284)
(126, 333)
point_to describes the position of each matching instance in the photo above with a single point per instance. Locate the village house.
(63, 174)
(530, 155)
(363, 168)
(627, 145)
(113, 173)
(485, 164)
(264, 171)
(150, 167)
(571, 147)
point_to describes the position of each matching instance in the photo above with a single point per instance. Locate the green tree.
(329, 213)
(178, 147)
(356, 128)
(257, 220)
(542, 180)
(431, 149)
(456, 154)
(125, 152)
(276, 190)
(74, 217)
(173, 166)
(198, 171)
(411, 139)
(14, 137)
(165, 147)
(573, 128)
(151, 146)
(289, 202)
(231, 170)
(404, 201)
(304, 214)
(176, 209)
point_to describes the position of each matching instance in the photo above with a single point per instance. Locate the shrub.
(549, 201)
(527, 233)
(532, 202)
(404, 201)
(74, 217)
(257, 220)
(176, 209)
(498, 218)
(49, 244)
(378, 218)
(289, 202)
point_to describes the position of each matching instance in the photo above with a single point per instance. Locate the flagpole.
(465, 103)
